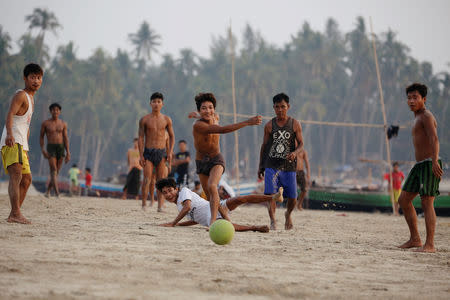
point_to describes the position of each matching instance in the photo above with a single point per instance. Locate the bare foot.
(425, 249)
(18, 219)
(47, 195)
(263, 228)
(273, 225)
(411, 244)
(299, 208)
(144, 207)
(288, 224)
(160, 209)
(278, 197)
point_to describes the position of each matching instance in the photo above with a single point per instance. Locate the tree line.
(329, 76)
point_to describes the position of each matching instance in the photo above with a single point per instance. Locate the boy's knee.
(427, 203)
(212, 187)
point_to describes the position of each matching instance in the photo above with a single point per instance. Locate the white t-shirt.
(200, 211)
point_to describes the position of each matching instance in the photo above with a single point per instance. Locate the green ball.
(221, 232)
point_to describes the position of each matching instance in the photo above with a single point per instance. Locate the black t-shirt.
(281, 143)
(183, 168)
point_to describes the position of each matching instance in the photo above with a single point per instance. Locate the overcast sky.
(422, 25)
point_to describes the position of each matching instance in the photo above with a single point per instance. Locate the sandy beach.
(85, 248)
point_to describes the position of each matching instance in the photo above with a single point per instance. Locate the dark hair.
(88, 169)
(196, 182)
(395, 164)
(157, 95)
(32, 69)
(420, 88)
(54, 105)
(165, 182)
(74, 165)
(182, 141)
(203, 97)
(280, 97)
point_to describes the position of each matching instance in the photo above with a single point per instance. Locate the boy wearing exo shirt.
(198, 209)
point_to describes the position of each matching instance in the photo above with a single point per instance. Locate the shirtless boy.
(198, 209)
(134, 172)
(208, 159)
(14, 141)
(57, 141)
(152, 145)
(282, 143)
(424, 177)
(302, 180)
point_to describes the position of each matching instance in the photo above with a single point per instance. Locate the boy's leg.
(259, 228)
(271, 183)
(59, 164)
(430, 223)
(161, 172)
(151, 190)
(52, 183)
(15, 178)
(148, 170)
(405, 201)
(234, 202)
(289, 182)
(24, 185)
(213, 194)
(204, 182)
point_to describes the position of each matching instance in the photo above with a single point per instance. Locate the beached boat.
(329, 198)
(101, 189)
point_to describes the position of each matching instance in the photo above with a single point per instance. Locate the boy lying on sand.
(198, 209)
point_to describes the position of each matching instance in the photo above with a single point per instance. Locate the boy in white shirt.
(198, 209)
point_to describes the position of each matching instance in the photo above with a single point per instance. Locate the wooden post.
(388, 150)
(233, 92)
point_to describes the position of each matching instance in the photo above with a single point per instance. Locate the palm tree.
(188, 62)
(43, 20)
(5, 41)
(145, 41)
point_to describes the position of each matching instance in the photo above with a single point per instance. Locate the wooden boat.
(335, 199)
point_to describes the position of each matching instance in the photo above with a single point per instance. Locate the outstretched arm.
(429, 124)
(299, 139)
(187, 223)
(141, 142)
(66, 142)
(267, 130)
(204, 128)
(171, 139)
(41, 140)
(184, 211)
(308, 177)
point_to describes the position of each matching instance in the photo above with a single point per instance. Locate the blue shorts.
(288, 180)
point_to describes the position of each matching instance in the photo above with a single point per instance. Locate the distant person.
(208, 159)
(73, 177)
(181, 162)
(134, 172)
(424, 177)
(302, 181)
(88, 181)
(397, 179)
(277, 160)
(14, 141)
(197, 188)
(57, 145)
(198, 209)
(152, 145)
